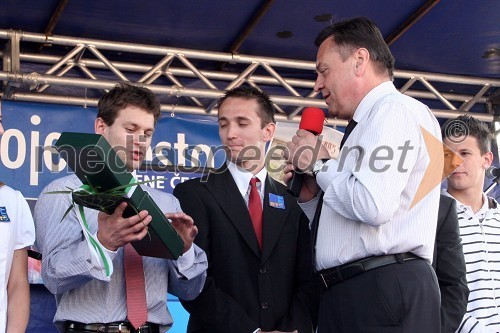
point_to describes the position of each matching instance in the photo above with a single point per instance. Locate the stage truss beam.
(87, 64)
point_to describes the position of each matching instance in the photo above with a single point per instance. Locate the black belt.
(331, 276)
(118, 327)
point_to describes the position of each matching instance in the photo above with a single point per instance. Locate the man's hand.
(116, 231)
(309, 188)
(185, 227)
(304, 150)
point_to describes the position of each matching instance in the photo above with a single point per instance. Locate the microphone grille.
(490, 172)
(312, 120)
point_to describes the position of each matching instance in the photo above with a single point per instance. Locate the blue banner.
(28, 163)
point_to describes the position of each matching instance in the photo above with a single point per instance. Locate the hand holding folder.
(108, 183)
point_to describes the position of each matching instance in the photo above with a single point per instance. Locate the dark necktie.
(317, 213)
(348, 130)
(137, 310)
(255, 209)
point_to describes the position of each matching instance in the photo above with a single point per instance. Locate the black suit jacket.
(449, 264)
(245, 288)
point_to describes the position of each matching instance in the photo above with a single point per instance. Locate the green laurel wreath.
(106, 201)
(90, 197)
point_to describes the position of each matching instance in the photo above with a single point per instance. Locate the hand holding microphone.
(303, 151)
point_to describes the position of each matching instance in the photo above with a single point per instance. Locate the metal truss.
(88, 63)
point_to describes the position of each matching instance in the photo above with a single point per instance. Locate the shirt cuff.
(112, 254)
(256, 331)
(327, 173)
(186, 261)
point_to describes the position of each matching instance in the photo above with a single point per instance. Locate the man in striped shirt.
(478, 217)
(374, 241)
(88, 300)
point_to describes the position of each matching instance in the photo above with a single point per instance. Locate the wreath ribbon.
(97, 250)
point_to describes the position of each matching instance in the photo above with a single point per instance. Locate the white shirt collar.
(366, 103)
(484, 208)
(480, 213)
(242, 177)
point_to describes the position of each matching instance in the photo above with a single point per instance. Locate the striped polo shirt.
(480, 235)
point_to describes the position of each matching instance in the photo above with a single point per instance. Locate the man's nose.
(456, 160)
(318, 85)
(232, 132)
(137, 139)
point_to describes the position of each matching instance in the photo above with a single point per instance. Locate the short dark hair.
(123, 95)
(359, 32)
(266, 109)
(467, 125)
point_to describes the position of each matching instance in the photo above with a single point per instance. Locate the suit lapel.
(231, 202)
(274, 218)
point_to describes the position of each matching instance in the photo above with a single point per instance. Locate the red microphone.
(312, 120)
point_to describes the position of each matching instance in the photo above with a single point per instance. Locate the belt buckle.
(122, 328)
(146, 328)
(143, 329)
(101, 329)
(324, 281)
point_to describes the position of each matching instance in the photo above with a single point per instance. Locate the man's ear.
(100, 126)
(269, 131)
(487, 160)
(361, 58)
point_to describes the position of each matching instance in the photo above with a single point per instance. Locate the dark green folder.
(94, 161)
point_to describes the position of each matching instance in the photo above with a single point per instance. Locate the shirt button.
(264, 305)
(263, 270)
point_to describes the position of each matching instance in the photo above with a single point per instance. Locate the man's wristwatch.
(318, 166)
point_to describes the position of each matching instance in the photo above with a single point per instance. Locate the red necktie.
(255, 209)
(137, 310)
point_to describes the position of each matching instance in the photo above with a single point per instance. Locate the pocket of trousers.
(389, 293)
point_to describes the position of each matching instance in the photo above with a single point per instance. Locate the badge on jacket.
(3, 215)
(276, 201)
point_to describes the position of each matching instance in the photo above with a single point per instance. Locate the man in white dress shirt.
(375, 229)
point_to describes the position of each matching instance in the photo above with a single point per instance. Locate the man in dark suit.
(259, 278)
(449, 264)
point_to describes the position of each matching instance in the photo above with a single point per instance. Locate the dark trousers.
(401, 297)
